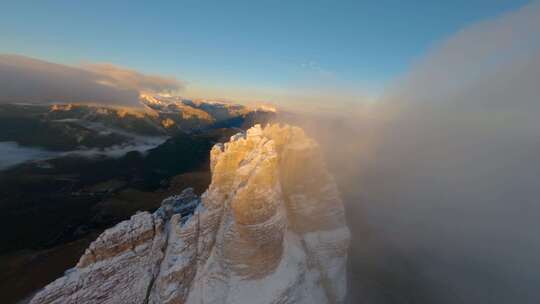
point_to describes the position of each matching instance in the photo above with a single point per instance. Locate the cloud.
(130, 79)
(452, 188)
(441, 177)
(12, 154)
(24, 79)
(500, 54)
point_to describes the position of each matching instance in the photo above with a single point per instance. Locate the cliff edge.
(269, 229)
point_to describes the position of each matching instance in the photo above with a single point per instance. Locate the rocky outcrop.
(269, 229)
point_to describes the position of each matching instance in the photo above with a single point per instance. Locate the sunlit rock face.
(269, 229)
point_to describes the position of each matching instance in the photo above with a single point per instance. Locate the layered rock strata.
(269, 229)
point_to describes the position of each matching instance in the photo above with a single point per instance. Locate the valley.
(76, 189)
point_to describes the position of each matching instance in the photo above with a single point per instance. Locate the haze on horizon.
(296, 55)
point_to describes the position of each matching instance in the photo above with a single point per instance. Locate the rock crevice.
(269, 229)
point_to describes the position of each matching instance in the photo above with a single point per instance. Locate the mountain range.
(67, 127)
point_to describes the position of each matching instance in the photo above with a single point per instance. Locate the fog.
(12, 154)
(140, 144)
(441, 175)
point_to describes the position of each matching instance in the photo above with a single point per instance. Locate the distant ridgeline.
(65, 191)
(66, 127)
(80, 169)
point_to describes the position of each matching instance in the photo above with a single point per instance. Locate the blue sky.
(256, 47)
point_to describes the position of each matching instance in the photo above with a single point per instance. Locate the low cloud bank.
(28, 80)
(12, 154)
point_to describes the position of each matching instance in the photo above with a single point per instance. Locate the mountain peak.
(269, 229)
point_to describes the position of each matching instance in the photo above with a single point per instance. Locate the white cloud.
(445, 188)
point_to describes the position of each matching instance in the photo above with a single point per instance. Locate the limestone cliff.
(269, 229)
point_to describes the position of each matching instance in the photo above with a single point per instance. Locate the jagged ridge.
(269, 229)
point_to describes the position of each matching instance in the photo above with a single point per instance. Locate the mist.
(440, 176)
(12, 154)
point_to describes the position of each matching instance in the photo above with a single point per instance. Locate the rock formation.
(269, 229)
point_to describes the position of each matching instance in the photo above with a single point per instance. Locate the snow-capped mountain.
(67, 127)
(269, 229)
